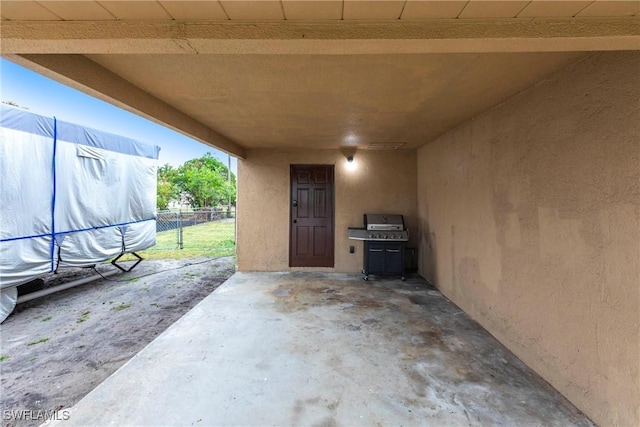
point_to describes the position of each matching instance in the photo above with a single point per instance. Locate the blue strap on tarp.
(64, 233)
(35, 236)
(53, 193)
(105, 226)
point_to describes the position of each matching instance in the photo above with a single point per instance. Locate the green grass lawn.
(212, 239)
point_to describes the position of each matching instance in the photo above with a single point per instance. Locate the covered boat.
(71, 197)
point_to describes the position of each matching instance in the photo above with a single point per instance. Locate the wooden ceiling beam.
(341, 37)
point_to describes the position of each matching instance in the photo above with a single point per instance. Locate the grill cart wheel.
(366, 277)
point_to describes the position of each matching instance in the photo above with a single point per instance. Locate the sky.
(49, 98)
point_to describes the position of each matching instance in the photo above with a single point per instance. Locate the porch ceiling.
(310, 73)
(325, 101)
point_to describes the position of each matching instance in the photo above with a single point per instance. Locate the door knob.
(295, 221)
(295, 203)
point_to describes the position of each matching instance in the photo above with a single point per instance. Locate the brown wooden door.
(311, 232)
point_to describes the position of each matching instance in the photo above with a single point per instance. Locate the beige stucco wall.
(530, 223)
(382, 182)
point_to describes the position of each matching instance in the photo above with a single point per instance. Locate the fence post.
(179, 222)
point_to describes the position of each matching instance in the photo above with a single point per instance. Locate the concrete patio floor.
(324, 349)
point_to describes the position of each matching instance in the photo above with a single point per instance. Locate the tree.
(205, 182)
(167, 188)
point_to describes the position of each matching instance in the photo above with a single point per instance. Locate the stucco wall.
(530, 223)
(382, 182)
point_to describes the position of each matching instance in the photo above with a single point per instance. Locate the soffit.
(196, 10)
(433, 9)
(364, 10)
(311, 10)
(253, 10)
(492, 9)
(550, 8)
(611, 8)
(134, 9)
(26, 11)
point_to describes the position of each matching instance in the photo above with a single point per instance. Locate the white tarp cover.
(70, 196)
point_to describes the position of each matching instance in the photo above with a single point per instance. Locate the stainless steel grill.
(381, 227)
(384, 238)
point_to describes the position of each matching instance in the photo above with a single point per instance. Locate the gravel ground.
(56, 349)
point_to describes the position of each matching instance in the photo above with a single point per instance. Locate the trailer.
(70, 197)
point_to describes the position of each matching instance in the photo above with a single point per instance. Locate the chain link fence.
(195, 232)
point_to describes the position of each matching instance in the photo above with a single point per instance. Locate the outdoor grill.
(384, 239)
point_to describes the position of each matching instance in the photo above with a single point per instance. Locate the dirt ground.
(56, 349)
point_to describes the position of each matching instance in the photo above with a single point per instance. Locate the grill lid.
(383, 222)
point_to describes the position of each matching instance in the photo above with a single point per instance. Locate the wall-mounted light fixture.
(349, 153)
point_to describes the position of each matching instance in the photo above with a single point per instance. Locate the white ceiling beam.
(440, 36)
(79, 72)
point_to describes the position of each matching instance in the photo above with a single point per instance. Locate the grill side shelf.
(357, 233)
